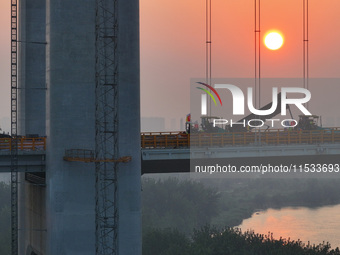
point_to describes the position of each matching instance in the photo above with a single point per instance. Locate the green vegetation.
(5, 213)
(172, 209)
(180, 205)
(229, 241)
(185, 205)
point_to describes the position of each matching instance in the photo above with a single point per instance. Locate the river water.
(314, 225)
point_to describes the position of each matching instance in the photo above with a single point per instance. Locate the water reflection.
(314, 225)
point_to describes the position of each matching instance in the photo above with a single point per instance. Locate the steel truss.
(14, 119)
(106, 127)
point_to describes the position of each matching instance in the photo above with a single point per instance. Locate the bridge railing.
(270, 137)
(182, 140)
(24, 144)
(165, 140)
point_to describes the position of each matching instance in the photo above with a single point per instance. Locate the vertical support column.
(21, 66)
(32, 68)
(118, 208)
(31, 117)
(70, 187)
(35, 67)
(70, 124)
(129, 175)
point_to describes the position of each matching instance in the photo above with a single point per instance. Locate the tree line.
(173, 208)
(5, 216)
(228, 241)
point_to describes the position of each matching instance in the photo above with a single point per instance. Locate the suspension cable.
(305, 46)
(208, 67)
(257, 42)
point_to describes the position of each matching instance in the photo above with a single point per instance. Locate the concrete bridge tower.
(57, 99)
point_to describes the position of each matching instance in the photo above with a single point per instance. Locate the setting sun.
(273, 40)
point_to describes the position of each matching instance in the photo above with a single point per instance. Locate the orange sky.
(173, 46)
(4, 64)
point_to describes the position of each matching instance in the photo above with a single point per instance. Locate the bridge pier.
(31, 120)
(57, 99)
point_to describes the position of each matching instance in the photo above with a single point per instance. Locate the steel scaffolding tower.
(14, 119)
(106, 93)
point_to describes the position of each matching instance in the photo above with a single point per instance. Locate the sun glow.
(273, 40)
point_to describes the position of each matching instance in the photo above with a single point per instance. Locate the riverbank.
(310, 225)
(185, 204)
(239, 199)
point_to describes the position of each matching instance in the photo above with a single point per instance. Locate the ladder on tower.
(14, 119)
(106, 140)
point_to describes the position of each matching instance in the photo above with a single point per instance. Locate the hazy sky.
(5, 64)
(173, 46)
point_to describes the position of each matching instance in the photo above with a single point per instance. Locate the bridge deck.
(171, 151)
(154, 140)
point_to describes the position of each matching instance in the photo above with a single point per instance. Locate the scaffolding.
(106, 139)
(14, 119)
(88, 156)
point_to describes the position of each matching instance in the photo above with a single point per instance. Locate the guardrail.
(24, 144)
(270, 137)
(165, 140)
(153, 140)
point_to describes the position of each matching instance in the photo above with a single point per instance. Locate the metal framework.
(257, 81)
(14, 119)
(305, 45)
(208, 50)
(106, 151)
(257, 31)
(87, 156)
